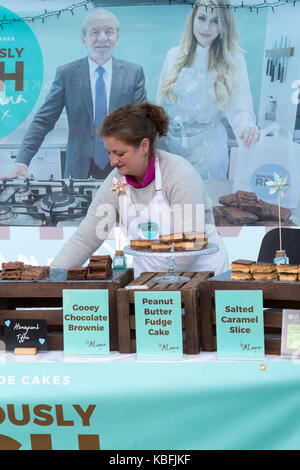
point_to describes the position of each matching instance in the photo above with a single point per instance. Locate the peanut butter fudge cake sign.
(21, 71)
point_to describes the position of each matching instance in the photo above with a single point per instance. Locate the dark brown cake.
(12, 265)
(249, 202)
(98, 275)
(238, 216)
(270, 212)
(76, 274)
(35, 273)
(11, 274)
(229, 200)
(98, 260)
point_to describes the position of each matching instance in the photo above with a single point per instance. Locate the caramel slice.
(171, 237)
(194, 236)
(265, 276)
(141, 244)
(261, 267)
(288, 277)
(242, 265)
(241, 276)
(190, 246)
(161, 247)
(287, 268)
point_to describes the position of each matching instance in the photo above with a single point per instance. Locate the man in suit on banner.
(89, 88)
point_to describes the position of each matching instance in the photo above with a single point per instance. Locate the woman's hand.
(250, 136)
(18, 170)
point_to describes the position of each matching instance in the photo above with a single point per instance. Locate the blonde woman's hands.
(18, 170)
(250, 136)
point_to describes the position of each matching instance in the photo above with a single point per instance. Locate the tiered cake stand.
(171, 277)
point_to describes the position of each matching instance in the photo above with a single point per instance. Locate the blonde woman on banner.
(203, 79)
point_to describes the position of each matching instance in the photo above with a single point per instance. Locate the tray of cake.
(188, 241)
(98, 268)
(247, 270)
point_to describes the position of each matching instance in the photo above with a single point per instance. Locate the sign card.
(158, 324)
(23, 333)
(290, 333)
(86, 321)
(240, 324)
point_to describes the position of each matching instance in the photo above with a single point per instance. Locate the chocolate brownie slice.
(12, 265)
(98, 275)
(229, 200)
(76, 273)
(249, 202)
(270, 212)
(35, 273)
(239, 217)
(11, 274)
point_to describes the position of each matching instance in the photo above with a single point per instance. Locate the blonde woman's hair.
(221, 53)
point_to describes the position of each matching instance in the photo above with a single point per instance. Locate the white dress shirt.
(106, 77)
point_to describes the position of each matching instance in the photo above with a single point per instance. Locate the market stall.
(146, 148)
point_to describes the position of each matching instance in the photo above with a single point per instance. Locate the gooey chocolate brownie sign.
(86, 321)
(21, 71)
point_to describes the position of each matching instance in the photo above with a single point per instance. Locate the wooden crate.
(276, 296)
(44, 299)
(190, 302)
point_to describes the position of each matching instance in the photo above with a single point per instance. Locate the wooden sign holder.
(25, 351)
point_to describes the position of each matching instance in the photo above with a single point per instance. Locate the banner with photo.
(227, 77)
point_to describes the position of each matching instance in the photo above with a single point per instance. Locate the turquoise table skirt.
(137, 405)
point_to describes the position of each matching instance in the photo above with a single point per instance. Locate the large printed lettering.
(43, 416)
(17, 76)
(44, 442)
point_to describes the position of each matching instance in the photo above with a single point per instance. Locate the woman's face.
(127, 159)
(206, 26)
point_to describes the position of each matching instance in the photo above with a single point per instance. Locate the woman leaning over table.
(159, 188)
(204, 79)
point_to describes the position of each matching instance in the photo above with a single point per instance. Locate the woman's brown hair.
(132, 123)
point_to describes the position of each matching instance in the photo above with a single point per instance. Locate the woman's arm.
(92, 231)
(168, 63)
(240, 112)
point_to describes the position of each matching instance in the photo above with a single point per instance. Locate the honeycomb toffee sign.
(21, 72)
(158, 324)
(240, 324)
(86, 321)
(25, 333)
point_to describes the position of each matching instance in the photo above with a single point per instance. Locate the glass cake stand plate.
(171, 277)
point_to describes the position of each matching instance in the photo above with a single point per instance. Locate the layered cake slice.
(141, 244)
(161, 247)
(76, 274)
(171, 237)
(194, 236)
(264, 271)
(240, 270)
(35, 273)
(99, 267)
(190, 245)
(287, 272)
(12, 265)
(12, 274)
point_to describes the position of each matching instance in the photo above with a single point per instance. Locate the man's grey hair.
(98, 13)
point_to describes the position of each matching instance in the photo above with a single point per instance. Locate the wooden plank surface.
(53, 317)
